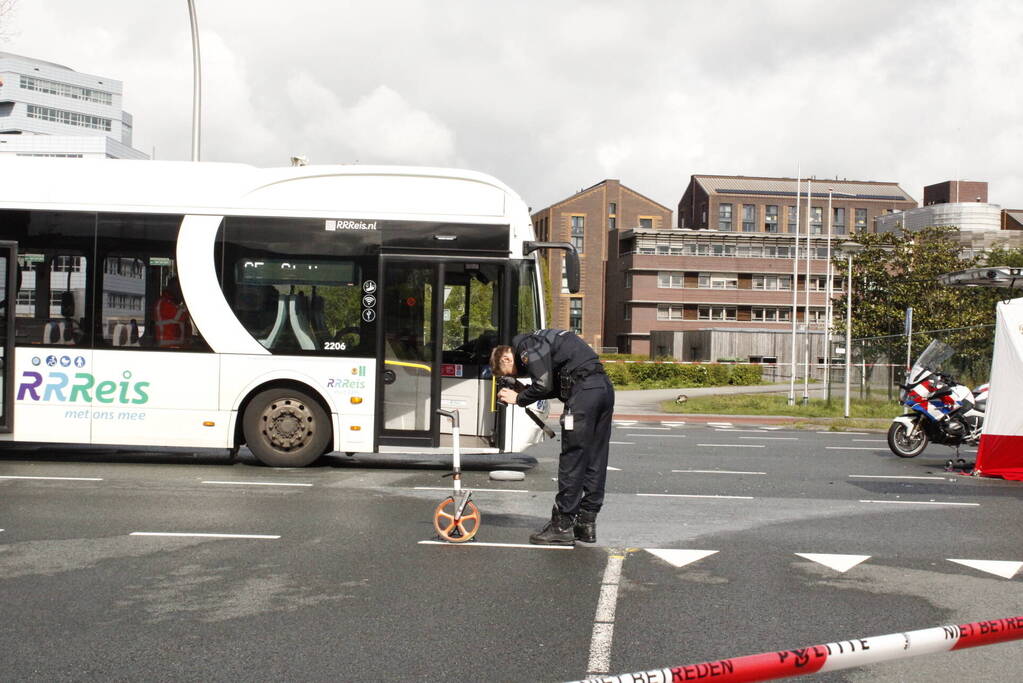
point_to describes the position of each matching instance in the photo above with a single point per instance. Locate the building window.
(575, 315)
(646, 223)
(772, 282)
(771, 218)
(816, 220)
(65, 90)
(861, 220)
(774, 314)
(626, 312)
(611, 222)
(628, 281)
(669, 311)
(818, 283)
(666, 280)
(578, 231)
(838, 220)
(749, 217)
(793, 219)
(612, 208)
(816, 316)
(716, 313)
(68, 118)
(725, 217)
(719, 281)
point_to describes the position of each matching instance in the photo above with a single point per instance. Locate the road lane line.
(475, 544)
(772, 438)
(845, 433)
(732, 445)
(748, 431)
(653, 429)
(11, 476)
(657, 436)
(200, 535)
(622, 443)
(852, 448)
(691, 495)
(254, 483)
(448, 488)
(919, 502)
(718, 472)
(892, 476)
(604, 619)
(869, 441)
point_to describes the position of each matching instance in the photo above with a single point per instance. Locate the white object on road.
(507, 475)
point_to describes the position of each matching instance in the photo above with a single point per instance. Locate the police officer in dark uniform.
(561, 365)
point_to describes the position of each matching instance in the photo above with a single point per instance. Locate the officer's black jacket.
(546, 356)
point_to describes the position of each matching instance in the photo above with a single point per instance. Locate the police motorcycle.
(940, 410)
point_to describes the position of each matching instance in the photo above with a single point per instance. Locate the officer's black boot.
(558, 531)
(586, 527)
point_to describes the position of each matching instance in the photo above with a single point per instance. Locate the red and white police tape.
(834, 656)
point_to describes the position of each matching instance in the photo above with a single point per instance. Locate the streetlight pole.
(196, 81)
(850, 249)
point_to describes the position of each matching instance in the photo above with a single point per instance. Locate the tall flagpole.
(795, 292)
(196, 81)
(806, 308)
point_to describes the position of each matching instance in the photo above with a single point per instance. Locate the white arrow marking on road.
(840, 563)
(613, 469)
(679, 558)
(1004, 569)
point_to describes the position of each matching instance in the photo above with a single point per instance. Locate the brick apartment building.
(728, 263)
(592, 219)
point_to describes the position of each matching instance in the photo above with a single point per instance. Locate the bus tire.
(284, 427)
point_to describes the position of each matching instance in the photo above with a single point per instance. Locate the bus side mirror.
(571, 260)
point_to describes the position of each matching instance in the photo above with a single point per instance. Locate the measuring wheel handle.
(455, 527)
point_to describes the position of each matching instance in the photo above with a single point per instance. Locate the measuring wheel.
(456, 531)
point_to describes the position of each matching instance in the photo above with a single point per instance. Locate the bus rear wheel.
(285, 428)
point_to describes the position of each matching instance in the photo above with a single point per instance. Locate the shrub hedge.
(665, 375)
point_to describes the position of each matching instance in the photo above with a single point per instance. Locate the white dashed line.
(448, 488)
(254, 483)
(845, 433)
(691, 495)
(716, 472)
(891, 476)
(852, 448)
(920, 502)
(732, 445)
(604, 619)
(54, 478)
(622, 443)
(199, 535)
(772, 438)
(658, 429)
(657, 436)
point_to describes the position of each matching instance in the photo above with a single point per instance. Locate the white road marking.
(613, 469)
(1004, 569)
(448, 488)
(845, 433)
(735, 431)
(717, 472)
(54, 478)
(679, 557)
(658, 436)
(772, 438)
(478, 544)
(604, 619)
(732, 445)
(200, 535)
(920, 502)
(691, 495)
(719, 424)
(672, 424)
(840, 563)
(851, 448)
(653, 429)
(622, 443)
(624, 423)
(772, 429)
(254, 483)
(891, 476)
(869, 441)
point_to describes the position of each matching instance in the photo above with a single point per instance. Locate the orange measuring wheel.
(456, 531)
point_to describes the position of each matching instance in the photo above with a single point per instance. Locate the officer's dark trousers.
(582, 469)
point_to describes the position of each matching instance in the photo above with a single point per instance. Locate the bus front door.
(8, 306)
(440, 322)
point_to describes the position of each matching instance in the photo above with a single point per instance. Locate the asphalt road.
(323, 574)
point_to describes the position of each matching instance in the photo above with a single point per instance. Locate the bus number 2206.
(334, 346)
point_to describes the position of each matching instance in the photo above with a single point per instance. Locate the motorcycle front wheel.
(904, 445)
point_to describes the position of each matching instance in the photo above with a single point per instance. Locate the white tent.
(1001, 443)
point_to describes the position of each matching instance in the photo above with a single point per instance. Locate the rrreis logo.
(333, 225)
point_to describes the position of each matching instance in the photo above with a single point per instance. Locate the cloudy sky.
(552, 96)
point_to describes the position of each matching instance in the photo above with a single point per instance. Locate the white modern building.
(967, 216)
(50, 110)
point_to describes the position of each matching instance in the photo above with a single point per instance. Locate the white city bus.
(321, 309)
